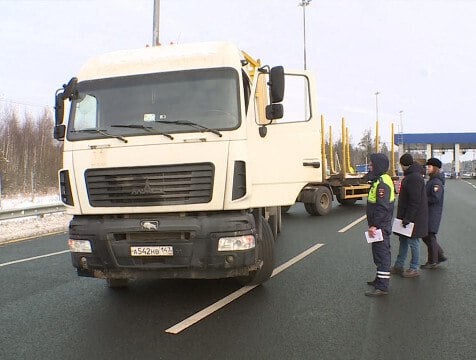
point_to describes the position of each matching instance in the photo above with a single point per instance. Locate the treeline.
(360, 153)
(29, 156)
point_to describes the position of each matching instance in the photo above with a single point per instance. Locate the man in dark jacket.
(412, 208)
(380, 204)
(435, 192)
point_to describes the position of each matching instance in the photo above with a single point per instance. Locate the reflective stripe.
(383, 274)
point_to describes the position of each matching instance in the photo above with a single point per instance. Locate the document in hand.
(378, 236)
(398, 228)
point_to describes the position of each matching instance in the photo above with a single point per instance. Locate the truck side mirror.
(59, 131)
(59, 108)
(274, 111)
(276, 84)
(69, 92)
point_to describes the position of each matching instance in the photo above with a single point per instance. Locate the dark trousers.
(435, 252)
(382, 259)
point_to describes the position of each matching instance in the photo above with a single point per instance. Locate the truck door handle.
(314, 164)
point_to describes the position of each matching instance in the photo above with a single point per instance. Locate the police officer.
(435, 191)
(380, 205)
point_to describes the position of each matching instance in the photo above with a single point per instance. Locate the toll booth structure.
(429, 144)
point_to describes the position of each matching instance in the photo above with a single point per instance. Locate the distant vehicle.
(447, 175)
(362, 168)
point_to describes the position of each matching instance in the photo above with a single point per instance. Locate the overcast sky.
(420, 55)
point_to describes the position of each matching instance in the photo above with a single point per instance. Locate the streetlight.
(401, 148)
(401, 121)
(303, 4)
(155, 27)
(377, 140)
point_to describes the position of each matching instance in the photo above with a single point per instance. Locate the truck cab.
(177, 160)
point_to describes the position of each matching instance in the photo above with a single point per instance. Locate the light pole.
(304, 4)
(377, 140)
(401, 122)
(401, 148)
(376, 103)
(156, 20)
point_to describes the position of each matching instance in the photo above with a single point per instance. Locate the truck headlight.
(233, 243)
(80, 246)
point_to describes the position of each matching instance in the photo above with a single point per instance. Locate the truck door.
(289, 155)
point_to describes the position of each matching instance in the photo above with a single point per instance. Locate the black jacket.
(435, 191)
(412, 200)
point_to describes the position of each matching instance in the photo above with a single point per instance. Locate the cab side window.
(296, 101)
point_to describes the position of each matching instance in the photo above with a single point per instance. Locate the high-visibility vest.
(372, 198)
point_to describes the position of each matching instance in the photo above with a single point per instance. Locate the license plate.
(152, 251)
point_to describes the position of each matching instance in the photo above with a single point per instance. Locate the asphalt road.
(313, 309)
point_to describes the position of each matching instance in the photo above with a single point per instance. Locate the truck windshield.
(161, 102)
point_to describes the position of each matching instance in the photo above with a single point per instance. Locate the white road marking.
(344, 229)
(235, 295)
(33, 258)
(470, 183)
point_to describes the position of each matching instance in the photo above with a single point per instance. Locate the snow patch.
(32, 226)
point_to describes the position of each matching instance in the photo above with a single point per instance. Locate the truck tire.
(117, 283)
(266, 254)
(321, 204)
(345, 202)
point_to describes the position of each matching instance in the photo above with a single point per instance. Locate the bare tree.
(29, 157)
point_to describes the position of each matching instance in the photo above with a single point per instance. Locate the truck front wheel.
(321, 204)
(266, 255)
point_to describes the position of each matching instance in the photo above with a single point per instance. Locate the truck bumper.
(193, 238)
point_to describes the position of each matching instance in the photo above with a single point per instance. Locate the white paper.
(378, 236)
(398, 228)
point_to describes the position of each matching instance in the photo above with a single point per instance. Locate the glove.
(405, 223)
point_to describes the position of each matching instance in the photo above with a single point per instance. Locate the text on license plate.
(152, 251)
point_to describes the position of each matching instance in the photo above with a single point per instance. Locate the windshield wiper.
(192, 124)
(146, 128)
(102, 132)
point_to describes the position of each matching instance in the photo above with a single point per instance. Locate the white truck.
(177, 160)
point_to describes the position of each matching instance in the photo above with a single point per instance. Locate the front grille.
(150, 185)
(147, 238)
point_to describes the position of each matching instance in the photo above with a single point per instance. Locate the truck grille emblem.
(150, 225)
(147, 190)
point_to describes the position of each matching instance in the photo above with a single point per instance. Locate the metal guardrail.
(38, 210)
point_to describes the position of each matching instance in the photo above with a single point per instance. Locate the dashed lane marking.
(470, 183)
(33, 258)
(235, 295)
(344, 229)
